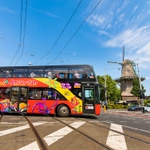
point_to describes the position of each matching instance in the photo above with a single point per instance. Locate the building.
(128, 73)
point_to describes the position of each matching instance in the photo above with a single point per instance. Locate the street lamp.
(141, 92)
(105, 86)
(29, 63)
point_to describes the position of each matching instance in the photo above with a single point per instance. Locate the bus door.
(19, 98)
(88, 94)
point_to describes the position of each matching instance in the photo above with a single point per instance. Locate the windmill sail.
(123, 50)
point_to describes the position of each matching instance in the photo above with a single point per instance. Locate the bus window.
(20, 72)
(77, 92)
(4, 93)
(35, 93)
(76, 72)
(23, 94)
(52, 94)
(85, 76)
(35, 72)
(57, 75)
(89, 95)
(5, 73)
(63, 75)
(32, 74)
(49, 74)
(60, 72)
(14, 94)
(70, 76)
(48, 94)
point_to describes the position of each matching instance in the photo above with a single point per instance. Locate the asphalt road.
(131, 120)
(15, 134)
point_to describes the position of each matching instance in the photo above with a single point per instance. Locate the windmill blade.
(114, 62)
(123, 51)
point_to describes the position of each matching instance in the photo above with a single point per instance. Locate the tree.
(113, 92)
(136, 91)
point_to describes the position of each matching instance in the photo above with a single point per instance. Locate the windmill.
(128, 72)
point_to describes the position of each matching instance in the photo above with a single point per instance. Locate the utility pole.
(105, 86)
(141, 92)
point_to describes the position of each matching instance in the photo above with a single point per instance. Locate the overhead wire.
(25, 18)
(20, 35)
(75, 32)
(60, 33)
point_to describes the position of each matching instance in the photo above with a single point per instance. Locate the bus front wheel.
(63, 111)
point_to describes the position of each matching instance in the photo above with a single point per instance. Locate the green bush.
(118, 106)
(146, 101)
(111, 106)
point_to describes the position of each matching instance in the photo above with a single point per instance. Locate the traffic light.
(142, 94)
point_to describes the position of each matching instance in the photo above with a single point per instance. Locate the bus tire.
(63, 111)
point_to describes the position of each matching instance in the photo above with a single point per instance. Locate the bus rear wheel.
(63, 111)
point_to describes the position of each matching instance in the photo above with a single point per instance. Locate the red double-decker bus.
(62, 90)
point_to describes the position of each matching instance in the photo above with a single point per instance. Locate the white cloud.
(47, 13)
(123, 6)
(135, 38)
(135, 8)
(148, 3)
(6, 10)
(104, 33)
(136, 42)
(148, 78)
(145, 49)
(121, 16)
(148, 11)
(96, 20)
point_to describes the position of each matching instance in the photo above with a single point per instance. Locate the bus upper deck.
(57, 71)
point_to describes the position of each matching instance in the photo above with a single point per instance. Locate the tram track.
(39, 139)
(102, 145)
(85, 135)
(126, 135)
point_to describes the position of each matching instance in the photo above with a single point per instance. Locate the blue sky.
(92, 32)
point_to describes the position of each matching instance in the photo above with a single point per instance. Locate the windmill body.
(128, 73)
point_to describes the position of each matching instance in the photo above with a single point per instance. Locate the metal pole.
(105, 87)
(141, 92)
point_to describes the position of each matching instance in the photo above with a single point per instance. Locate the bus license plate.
(89, 107)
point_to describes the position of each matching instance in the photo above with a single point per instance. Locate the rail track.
(102, 145)
(41, 144)
(126, 135)
(39, 139)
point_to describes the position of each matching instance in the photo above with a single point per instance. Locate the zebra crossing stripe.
(9, 131)
(55, 136)
(119, 139)
(32, 146)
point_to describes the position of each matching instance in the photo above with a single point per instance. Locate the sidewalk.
(124, 111)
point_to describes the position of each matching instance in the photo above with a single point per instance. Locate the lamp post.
(141, 92)
(105, 87)
(29, 63)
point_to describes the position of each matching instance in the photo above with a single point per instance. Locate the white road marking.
(13, 123)
(94, 121)
(9, 131)
(32, 146)
(136, 122)
(137, 129)
(129, 127)
(55, 136)
(119, 139)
